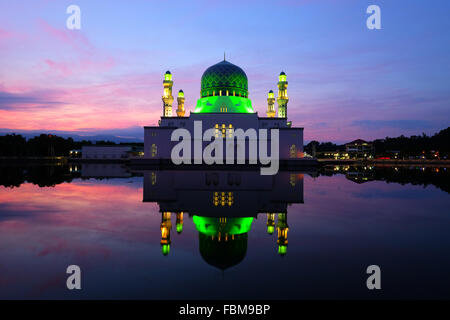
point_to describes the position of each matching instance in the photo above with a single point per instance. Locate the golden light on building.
(283, 98)
(167, 97)
(271, 113)
(282, 228)
(179, 222)
(180, 99)
(166, 226)
(223, 199)
(270, 223)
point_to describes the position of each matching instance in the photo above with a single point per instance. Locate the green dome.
(222, 77)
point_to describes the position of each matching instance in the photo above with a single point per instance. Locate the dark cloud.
(35, 100)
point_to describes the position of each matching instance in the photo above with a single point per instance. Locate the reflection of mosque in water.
(223, 206)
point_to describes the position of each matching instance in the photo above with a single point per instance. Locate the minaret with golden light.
(180, 100)
(270, 223)
(283, 98)
(283, 229)
(167, 97)
(271, 113)
(166, 226)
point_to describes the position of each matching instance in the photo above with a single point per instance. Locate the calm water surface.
(323, 230)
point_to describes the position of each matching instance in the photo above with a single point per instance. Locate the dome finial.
(224, 56)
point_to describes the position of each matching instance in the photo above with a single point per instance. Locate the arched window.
(293, 151)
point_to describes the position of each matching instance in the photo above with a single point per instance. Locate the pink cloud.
(75, 39)
(59, 67)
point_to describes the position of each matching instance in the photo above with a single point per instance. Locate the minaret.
(179, 222)
(283, 229)
(167, 98)
(180, 100)
(283, 98)
(270, 223)
(271, 113)
(166, 226)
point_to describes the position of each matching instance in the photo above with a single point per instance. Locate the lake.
(151, 234)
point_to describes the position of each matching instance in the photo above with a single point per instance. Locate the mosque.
(224, 105)
(223, 205)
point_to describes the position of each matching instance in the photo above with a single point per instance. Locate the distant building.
(359, 149)
(336, 155)
(75, 153)
(393, 154)
(105, 152)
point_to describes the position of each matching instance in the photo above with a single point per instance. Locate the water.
(107, 219)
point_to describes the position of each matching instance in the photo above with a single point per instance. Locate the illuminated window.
(223, 199)
(293, 151)
(153, 178)
(223, 130)
(230, 131)
(216, 130)
(292, 179)
(154, 150)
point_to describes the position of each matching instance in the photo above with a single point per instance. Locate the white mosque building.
(224, 105)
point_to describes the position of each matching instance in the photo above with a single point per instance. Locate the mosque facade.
(225, 106)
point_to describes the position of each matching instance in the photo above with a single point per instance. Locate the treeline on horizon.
(413, 145)
(46, 145)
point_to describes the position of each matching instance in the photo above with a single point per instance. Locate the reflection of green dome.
(224, 76)
(223, 254)
(232, 226)
(223, 241)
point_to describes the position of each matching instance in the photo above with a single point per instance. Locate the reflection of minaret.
(179, 222)
(166, 226)
(270, 223)
(283, 229)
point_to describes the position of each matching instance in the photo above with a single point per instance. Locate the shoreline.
(167, 163)
(384, 162)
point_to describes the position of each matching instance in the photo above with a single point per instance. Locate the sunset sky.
(345, 81)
